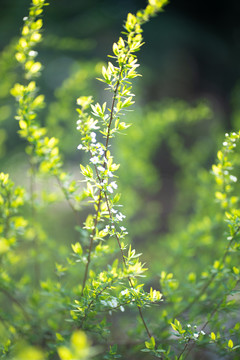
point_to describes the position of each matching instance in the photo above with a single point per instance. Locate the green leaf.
(77, 248)
(213, 336)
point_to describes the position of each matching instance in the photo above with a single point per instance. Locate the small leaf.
(230, 344)
(213, 336)
(235, 270)
(22, 124)
(77, 248)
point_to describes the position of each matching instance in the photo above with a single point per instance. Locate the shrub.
(85, 297)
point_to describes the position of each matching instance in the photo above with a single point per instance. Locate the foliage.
(60, 298)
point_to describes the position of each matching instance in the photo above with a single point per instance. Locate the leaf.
(213, 336)
(151, 344)
(230, 343)
(64, 353)
(22, 124)
(79, 340)
(235, 270)
(148, 345)
(115, 49)
(59, 337)
(77, 248)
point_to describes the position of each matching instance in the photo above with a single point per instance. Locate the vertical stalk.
(100, 191)
(37, 269)
(91, 242)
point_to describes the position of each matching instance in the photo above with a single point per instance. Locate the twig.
(209, 282)
(100, 193)
(68, 200)
(36, 245)
(91, 242)
(15, 301)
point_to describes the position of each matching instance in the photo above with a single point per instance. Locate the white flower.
(93, 124)
(93, 137)
(122, 228)
(106, 229)
(114, 184)
(113, 303)
(80, 147)
(122, 308)
(104, 302)
(233, 178)
(196, 335)
(94, 160)
(98, 149)
(32, 53)
(225, 143)
(101, 168)
(110, 174)
(109, 189)
(124, 292)
(120, 216)
(202, 332)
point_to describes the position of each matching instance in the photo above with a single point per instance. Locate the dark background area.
(191, 51)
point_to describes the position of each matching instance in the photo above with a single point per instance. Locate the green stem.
(209, 282)
(124, 263)
(16, 302)
(68, 200)
(37, 270)
(91, 242)
(99, 179)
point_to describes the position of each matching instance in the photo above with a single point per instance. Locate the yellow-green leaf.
(230, 344)
(213, 336)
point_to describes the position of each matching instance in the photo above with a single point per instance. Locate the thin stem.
(93, 300)
(210, 317)
(33, 210)
(105, 194)
(6, 228)
(4, 322)
(124, 262)
(214, 311)
(184, 349)
(100, 193)
(91, 241)
(15, 301)
(112, 109)
(68, 200)
(107, 202)
(209, 282)
(203, 327)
